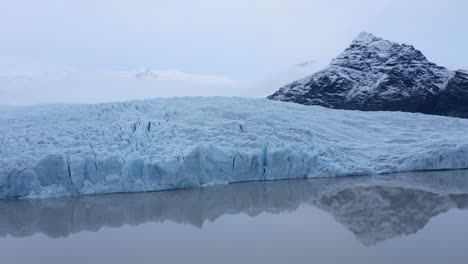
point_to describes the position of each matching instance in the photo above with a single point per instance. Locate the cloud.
(33, 87)
(306, 63)
(15, 70)
(25, 82)
(148, 74)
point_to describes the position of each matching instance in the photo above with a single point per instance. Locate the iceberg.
(174, 143)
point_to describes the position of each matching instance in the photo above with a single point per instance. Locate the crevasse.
(161, 144)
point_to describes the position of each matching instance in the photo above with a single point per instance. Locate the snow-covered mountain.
(146, 73)
(160, 144)
(374, 74)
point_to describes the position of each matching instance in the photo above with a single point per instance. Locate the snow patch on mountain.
(377, 74)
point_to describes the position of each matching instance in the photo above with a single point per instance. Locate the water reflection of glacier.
(373, 208)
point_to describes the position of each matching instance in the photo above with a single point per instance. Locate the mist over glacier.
(161, 144)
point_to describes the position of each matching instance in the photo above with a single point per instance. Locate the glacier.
(174, 143)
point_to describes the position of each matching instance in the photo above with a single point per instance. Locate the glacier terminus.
(162, 144)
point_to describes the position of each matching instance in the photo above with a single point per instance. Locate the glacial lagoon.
(419, 217)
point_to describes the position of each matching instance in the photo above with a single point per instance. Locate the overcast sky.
(91, 50)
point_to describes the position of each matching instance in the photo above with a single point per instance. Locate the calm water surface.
(403, 218)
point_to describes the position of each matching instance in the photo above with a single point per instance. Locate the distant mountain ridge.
(374, 74)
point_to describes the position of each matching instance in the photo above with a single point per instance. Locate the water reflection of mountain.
(373, 208)
(378, 213)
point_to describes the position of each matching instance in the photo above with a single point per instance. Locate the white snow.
(159, 144)
(366, 38)
(368, 62)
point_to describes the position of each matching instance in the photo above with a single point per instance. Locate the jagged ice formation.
(160, 144)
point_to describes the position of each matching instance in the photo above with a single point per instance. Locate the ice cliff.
(160, 144)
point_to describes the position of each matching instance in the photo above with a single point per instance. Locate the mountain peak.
(365, 37)
(146, 73)
(374, 74)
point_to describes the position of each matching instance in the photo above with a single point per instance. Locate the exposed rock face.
(378, 75)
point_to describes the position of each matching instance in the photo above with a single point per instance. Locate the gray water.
(400, 218)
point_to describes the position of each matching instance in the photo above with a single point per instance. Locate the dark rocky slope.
(378, 75)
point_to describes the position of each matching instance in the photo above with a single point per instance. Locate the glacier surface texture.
(161, 144)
